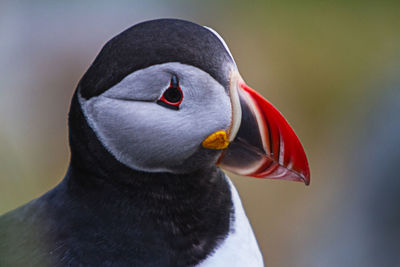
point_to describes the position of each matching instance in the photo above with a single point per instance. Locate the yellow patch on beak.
(216, 140)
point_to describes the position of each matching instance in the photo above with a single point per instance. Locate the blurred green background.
(330, 67)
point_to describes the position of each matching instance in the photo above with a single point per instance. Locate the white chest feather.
(240, 248)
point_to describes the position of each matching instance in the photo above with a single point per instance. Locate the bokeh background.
(331, 67)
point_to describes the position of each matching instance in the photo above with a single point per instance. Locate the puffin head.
(166, 96)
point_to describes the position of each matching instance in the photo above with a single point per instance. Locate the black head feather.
(156, 42)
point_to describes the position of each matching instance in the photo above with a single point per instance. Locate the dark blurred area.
(363, 226)
(331, 67)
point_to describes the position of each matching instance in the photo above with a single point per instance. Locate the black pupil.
(173, 95)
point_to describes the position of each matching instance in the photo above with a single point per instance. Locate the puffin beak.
(262, 144)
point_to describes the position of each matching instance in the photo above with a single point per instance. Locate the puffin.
(152, 123)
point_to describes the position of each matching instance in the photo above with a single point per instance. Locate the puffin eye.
(173, 96)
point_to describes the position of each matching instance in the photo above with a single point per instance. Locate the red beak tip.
(306, 181)
(304, 177)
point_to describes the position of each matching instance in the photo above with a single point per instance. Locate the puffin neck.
(187, 215)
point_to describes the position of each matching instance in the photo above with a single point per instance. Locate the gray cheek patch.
(146, 136)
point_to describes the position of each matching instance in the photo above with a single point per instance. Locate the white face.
(150, 137)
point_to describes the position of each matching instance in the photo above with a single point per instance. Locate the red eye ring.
(173, 96)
